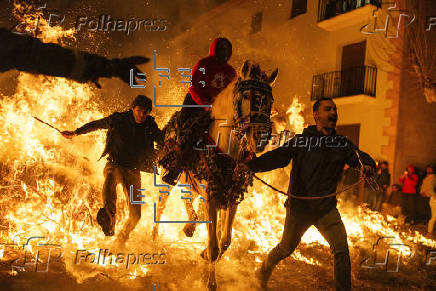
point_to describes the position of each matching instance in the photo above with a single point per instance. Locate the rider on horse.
(210, 76)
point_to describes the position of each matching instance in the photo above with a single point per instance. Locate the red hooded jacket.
(214, 77)
(410, 181)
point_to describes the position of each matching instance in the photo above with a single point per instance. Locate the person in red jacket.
(210, 76)
(409, 179)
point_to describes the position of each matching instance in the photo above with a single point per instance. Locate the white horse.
(241, 125)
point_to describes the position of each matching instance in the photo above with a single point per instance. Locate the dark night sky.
(179, 14)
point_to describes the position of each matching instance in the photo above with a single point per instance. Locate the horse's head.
(252, 101)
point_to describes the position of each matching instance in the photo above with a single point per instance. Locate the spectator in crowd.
(409, 180)
(384, 180)
(368, 195)
(428, 190)
(393, 203)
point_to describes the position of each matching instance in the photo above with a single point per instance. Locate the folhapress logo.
(105, 23)
(387, 255)
(37, 254)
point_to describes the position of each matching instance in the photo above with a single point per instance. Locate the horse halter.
(259, 95)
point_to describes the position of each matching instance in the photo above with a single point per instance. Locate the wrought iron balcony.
(349, 82)
(337, 14)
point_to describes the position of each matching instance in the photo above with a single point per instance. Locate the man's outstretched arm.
(278, 158)
(29, 54)
(353, 158)
(103, 123)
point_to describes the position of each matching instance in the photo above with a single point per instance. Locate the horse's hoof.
(262, 277)
(189, 229)
(211, 286)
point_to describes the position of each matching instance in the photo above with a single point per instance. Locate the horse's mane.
(222, 112)
(222, 107)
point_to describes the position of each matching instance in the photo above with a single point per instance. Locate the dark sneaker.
(171, 177)
(105, 220)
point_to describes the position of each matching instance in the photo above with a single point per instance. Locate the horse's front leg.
(160, 208)
(226, 230)
(212, 247)
(192, 216)
(211, 252)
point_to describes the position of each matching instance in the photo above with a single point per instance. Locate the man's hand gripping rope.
(366, 174)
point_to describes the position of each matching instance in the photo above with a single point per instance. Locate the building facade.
(346, 50)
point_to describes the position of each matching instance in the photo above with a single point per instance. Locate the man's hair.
(318, 103)
(142, 101)
(223, 39)
(385, 163)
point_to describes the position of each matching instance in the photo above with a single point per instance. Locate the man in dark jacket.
(384, 180)
(29, 54)
(210, 76)
(130, 149)
(319, 157)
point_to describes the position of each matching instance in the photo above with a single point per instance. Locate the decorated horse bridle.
(260, 106)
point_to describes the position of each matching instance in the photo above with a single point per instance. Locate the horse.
(217, 174)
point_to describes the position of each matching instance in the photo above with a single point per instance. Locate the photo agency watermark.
(387, 255)
(103, 22)
(107, 258)
(106, 23)
(286, 138)
(390, 26)
(313, 142)
(38, 255)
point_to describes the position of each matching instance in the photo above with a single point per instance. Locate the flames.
(30, 20)
(51, 186)
(296, 120)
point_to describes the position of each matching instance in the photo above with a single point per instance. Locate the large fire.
(51, 187)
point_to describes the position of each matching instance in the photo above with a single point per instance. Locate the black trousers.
(115, 174)
(409, 206)
(330, 226)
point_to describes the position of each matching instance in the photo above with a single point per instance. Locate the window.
(256, 22)
(352, 69)
(298, 7)
(353, 55)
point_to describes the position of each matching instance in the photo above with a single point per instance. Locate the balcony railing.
(331, 8)
(349, 82)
